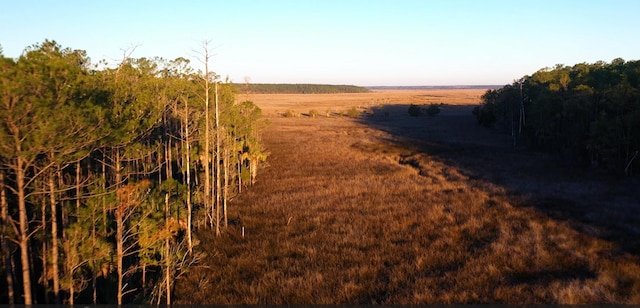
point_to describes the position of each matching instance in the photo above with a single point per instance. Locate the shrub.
(290, 114)
(313, 113)
(414, 110)
(486, 115)
(432, 110)
(353, 112)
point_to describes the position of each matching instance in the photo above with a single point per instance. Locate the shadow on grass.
(592, 203)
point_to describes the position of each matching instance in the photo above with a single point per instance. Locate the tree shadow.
(591, 202)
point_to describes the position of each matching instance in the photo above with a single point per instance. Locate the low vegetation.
(353, 112)
(291, 114)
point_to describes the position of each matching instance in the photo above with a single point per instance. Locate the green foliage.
(121, 125)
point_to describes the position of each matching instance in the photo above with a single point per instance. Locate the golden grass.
(353, 211)
(280, 103)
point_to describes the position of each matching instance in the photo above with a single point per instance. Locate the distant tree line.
(105, 173)
(267, 88)
(452, 87)
(588, 114)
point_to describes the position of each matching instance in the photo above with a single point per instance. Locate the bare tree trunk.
(240, 173)
(54, 241)
(78, 192)
(166, 149)
(72, 291)
(119, 253)
(119, 231)
(93, 259)
(207, 134)
(217, 161)
(253, 169)
(225, 191)
(23, 236)
(167, 252)
(188, 175)
(104, 193)
(31, 265)
(44, 256)
(168, 161)
(7, 255)
(159, 163)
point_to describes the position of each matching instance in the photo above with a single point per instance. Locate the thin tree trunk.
(212, 193)
(159, 162)
(7, 255)
(119, 230)
(104, 193)
(225, 191)
(207, 137)
(166, 158)
(23, 237)
(253, 168)
(119, 253)
(72, 293)
(54, 241)
(188, 175)
(167, 251)
(240, 173)
(217, 161)
(32, 263)
(93, 259)
(169, 167)
(45, 272)
(78, 192)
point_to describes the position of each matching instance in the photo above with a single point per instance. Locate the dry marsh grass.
(273, 104)
(381, 210)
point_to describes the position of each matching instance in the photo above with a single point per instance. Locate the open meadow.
(377, 206)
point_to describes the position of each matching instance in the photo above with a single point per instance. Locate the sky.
(359, 42)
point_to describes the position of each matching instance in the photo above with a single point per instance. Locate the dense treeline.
(587, 113)
(275, 88)
(105, 173)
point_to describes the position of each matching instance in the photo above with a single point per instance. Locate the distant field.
(272, 88)
(386, 208)
(272, 103)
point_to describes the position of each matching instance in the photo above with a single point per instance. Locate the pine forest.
(106, 171)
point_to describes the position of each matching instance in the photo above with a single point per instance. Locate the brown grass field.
(386, 208)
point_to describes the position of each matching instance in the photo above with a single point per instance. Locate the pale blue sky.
(361, 42)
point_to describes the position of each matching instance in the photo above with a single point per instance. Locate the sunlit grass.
(343, 215)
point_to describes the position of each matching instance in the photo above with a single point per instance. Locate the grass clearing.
(407, 210)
